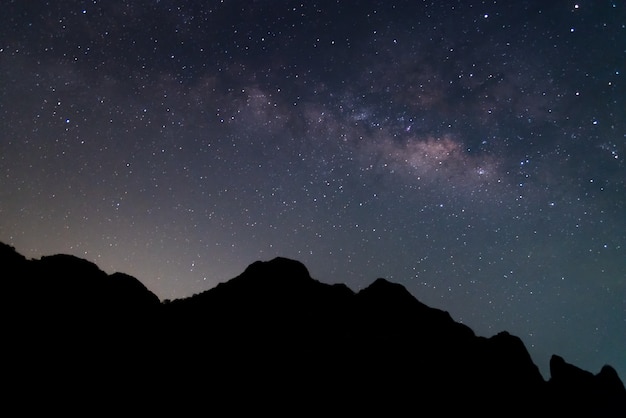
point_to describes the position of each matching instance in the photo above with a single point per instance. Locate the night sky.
(473, 151)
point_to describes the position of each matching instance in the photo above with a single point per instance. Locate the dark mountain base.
(270, 340)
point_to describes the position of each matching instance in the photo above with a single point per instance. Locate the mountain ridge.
(275, 320)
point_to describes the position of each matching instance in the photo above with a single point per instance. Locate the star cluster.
(472, 151)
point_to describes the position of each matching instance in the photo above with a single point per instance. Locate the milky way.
(472, 151)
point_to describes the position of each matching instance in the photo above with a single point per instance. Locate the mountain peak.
(383, 288)
(279, 275)
(278, 267)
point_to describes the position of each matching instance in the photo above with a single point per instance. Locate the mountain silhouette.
(272, 339)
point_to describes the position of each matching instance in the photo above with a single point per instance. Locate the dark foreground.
(272, 340)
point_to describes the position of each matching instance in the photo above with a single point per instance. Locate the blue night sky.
(473, 151)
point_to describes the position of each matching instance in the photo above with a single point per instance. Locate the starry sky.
(473, 151)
